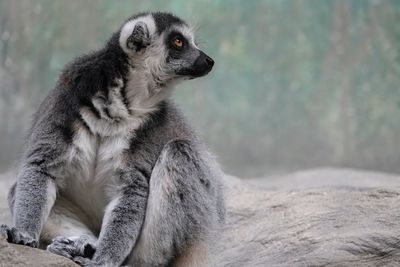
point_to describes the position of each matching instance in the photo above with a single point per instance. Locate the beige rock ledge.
(18, 256)
(324, 217)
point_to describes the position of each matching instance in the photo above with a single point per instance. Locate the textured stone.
(325, 217)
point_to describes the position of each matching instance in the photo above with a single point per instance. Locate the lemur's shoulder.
(95, 70)
(166, 124)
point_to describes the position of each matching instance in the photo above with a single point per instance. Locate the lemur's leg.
(122, 221)
(31, 200)
(66, 231)
(180, 211)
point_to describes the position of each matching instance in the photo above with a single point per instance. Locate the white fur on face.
(187, 32)
(150, 76)
(150, 63)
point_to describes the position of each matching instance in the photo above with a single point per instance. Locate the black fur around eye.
(178, 42)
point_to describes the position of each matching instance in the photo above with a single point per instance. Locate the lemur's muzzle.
(202, 65)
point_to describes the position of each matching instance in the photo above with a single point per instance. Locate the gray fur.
(111, 164)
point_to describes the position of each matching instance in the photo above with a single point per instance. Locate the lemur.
(112, 173)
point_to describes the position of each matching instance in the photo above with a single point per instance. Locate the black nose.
(210, 62)
(201, 66)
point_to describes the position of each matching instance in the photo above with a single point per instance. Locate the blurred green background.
(297, 84)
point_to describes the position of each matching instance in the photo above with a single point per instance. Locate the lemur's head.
(163, 45)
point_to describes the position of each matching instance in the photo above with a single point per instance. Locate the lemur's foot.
(71, 247)
(13, 235)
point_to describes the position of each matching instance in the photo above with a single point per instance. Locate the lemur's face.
(164, 46)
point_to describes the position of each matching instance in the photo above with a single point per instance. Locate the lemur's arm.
(122, 222)
(35, 191)
(35, 196)
(125, 214)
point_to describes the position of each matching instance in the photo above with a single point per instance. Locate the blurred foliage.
(296, 84)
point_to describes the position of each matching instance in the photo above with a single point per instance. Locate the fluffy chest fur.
(100, 144)
(92, 165)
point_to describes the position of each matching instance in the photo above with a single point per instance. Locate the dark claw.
(33, 244)
(9, 236)
(89, 251)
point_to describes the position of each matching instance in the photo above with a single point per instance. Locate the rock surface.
(338, 225)
(18, 256)
(325, 217)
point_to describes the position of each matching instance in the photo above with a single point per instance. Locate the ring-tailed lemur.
(112, 173)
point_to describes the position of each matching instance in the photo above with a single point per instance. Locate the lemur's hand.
(13, 235)
(86, 262)
(72, 247)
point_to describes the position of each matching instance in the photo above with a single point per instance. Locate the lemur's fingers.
(85, 262)
(13, 235)
(81, 261)
(140, 37)
(72, 247)
(64, 250)
(4, 229)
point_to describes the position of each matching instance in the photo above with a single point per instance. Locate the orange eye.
(178, 43)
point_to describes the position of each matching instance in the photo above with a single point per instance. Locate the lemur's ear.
(140, 37)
